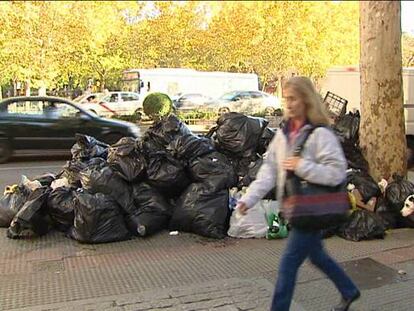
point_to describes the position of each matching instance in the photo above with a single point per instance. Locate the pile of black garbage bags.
(379, 209)
(169, 179)
(172, 179)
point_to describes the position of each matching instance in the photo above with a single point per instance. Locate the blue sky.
(407, 16)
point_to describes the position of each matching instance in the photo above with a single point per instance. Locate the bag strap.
(299, 148)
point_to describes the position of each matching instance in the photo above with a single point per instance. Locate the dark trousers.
(303, 244)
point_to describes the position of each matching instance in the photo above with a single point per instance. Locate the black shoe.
(345, 303)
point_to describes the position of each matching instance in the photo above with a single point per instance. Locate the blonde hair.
(315, 110)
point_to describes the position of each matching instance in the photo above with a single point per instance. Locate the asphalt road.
(10, 173)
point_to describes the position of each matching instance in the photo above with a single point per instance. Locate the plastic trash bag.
(151, 212)
(61, 182)
(397, 192)
(87, 147)
(189, 147)
(126, 159)
(407, 212)
(347, 127)
(214, 170)
(11, 203)
(166, 130)
(98, 219)
(32, 219)
(166, 173)
(255, 223)
(250, 176)
(201, 211)
(45, 179)
(265, 140)
(365, 184)
(61, 207)
(100, 178)
(30, 184)
(238, 134)
(362, 225)
(354, 157)
(389, 217)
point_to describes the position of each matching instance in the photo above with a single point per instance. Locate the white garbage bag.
(254, 223)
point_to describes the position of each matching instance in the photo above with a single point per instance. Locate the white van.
(177, 81)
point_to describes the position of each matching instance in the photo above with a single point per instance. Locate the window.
(113, 98)
(129, 97)
(25, 108)
(65, 111)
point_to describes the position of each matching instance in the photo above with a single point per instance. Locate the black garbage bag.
(189, 147)
(152, 212)
(45, 179)
(32, 219)
(202, 211)
(265, 140)
(397, 191)
(250, 176)
(390, 218)
(347, 127)
(61, 208)
(329, 232)
(127, 160)
(214, 170)
(100, 178)
(354, 156)
(11, 203)
(166, 173)
(71, 171)
(87, 147)
(98, 219)
(365, 184)
(362, 225)
(166, 130)
(238, 134)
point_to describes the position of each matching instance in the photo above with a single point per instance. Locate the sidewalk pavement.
(188, 272)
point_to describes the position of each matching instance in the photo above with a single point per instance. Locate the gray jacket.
(323, 162)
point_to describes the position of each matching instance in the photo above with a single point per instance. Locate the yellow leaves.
(55, 40)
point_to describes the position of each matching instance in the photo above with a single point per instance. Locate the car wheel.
(270, 111)
(5, 152)
(112, 138)
(224, 110)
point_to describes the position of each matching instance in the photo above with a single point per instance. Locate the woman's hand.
(291, 163)
(242, 208)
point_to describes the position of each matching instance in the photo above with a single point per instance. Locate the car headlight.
(135, 131)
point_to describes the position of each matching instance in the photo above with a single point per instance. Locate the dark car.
(47, 126)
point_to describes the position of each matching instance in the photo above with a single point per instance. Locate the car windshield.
(84, 97)
(228, 96)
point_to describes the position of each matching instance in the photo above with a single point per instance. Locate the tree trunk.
(382, 131)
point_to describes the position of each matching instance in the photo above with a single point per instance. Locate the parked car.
(247, 102)
(191, 101)
(88, 98)
(115, 103)
(47, 126)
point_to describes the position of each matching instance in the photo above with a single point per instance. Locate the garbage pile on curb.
(172, 179)
(169, 179)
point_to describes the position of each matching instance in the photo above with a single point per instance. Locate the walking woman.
(321, 162)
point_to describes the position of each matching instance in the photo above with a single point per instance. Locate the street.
(187, 272)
